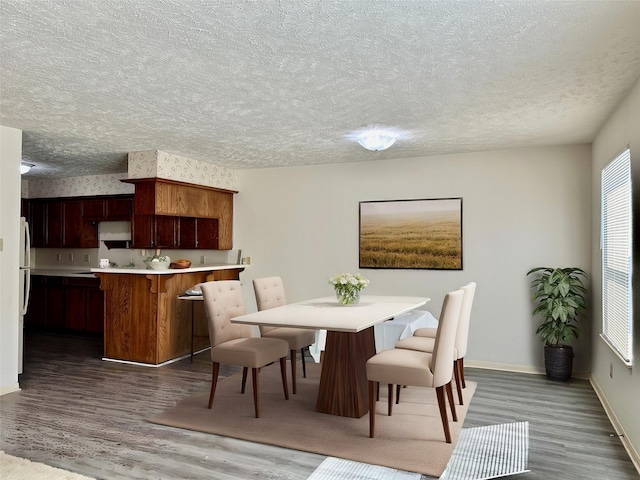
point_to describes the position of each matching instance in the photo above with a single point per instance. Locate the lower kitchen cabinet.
(66, 303)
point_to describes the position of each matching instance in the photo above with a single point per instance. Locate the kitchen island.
(144, 321)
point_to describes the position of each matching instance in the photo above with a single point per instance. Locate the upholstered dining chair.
(269, 293)
(409, 367)
(233, 344)
(423, 339)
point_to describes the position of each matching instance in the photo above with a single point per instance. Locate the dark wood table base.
(343, 382)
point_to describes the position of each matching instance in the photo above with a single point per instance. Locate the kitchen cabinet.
(57, 223)
(77, 232)
(37, 217)
(72, 222)
(212, 209)
(163, 231)
(111, 208)
(145, 321)
(66, 303)
(84, 305)
(46, 303)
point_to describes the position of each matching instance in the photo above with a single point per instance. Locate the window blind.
(617, 255)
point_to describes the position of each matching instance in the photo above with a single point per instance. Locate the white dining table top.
(327, 314)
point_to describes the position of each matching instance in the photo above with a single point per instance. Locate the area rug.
(340, 469)
(490, 452)
(15, 468)
(410, 440)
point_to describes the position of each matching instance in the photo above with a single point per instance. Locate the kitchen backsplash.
(85, 258)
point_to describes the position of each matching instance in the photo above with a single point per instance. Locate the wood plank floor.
(82, 414)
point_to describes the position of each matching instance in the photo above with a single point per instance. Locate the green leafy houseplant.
(559, 295)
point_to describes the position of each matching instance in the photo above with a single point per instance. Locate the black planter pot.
(558, 362)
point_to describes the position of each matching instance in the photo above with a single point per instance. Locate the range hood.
(117, 244)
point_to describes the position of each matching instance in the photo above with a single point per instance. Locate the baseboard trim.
(631, 451)
(9, 389)
(508, 367)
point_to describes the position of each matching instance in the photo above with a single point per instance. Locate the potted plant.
(559, 298)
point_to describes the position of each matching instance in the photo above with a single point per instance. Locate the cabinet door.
(142, 227)
(118, 208)
(78, 232)
(165, 231)
(54, 303)
(93, 209)
(53, 223)
(207, 233)
(76, 308)
(72, 223)
(38, 223)
(186, 232)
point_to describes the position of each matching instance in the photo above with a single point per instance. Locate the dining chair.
(269, 293)
(409, 367)
(424, 338)
(233, 344)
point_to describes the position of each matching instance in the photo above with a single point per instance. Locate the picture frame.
(411, 234)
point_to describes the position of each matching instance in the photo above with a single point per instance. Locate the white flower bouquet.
(348, 286)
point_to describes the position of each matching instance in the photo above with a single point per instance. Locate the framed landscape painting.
(418, 234)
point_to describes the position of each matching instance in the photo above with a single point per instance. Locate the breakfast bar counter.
(144, 321)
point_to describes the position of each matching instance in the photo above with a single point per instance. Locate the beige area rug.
(14, 468)
(411, 440)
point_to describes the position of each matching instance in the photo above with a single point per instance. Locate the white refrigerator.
(25, 284)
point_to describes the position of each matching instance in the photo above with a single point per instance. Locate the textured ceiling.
(272, 83)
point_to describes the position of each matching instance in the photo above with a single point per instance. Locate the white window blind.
(617, 256)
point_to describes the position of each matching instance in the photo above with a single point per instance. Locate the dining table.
(350, 342)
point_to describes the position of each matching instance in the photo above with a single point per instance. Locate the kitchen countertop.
(91, 272)
(149, 271)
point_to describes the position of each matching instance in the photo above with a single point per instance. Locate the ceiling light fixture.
(377, 140)
(25, 167)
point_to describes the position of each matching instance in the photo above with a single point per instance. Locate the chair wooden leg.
(255, 372)
(283, 374)
(456, 374)
(372, 407)
(244, 379)
(461, 365)
(398, 387)
(214, 382)
(389, 398)
(293, 371)
(304, 365)
(377, 391)
(449, 388)
(443, 413)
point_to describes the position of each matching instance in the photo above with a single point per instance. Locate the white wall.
(10, 154)
(521, 209)
(622, 392)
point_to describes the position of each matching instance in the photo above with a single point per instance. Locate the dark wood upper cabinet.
(54, 223)
(73, 222)
(168, 198)
(166, 231)
(187, 233)
(207, 233)
(203, 219)
(108, 208)
(38, 223)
